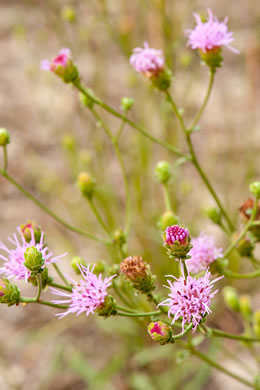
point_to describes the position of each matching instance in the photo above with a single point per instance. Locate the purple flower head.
(87, 295)
(14, 258)
(176, 233)
(60, 61)
(148, 61)
(190, 298)
(203, 253)
(210, 35)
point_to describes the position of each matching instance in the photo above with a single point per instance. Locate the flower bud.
(167, 219)
(177, 242)
(69, 143)
(4, 137)
(99, 267)
(213, 58)
(127, 103)
(46, 279)
(254, 188)
(214, 214)
(244, 247)
(33, 260)
(163, 172)
(245, 306)
(108, 308)
(160, 332)
(139, 273)
(231, 298)
(119, 237)
(163, 79)
(75, 262)
(86, 184)
(9, 293)
(30, 229)
(63, 66)
(256, 323)
(68, 13)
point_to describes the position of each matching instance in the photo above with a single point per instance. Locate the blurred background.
(54, 138)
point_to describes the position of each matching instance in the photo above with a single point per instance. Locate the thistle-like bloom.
(176, 233)
(148, 61)
(190, 298)
(210, 35)
(14, 258)
(203, 253)
(87, 295)
(61, 60)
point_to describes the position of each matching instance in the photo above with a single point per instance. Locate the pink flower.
(14, 258)
(190, 298)
(147, 60)
(87, 295)
(61, 60)
(210, 35)
(203, 253)
(176, 233)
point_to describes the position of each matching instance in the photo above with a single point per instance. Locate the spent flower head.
(203, 252)
(190, 298)
(88, 295)
(13, 266)
(139, 273)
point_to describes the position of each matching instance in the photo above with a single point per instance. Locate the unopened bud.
(30, 230)
(68, 13)
(127, 103)
(46, 279)
(231, 298)
(9, 293)
(86, 184)
(245, 306)
(75, 262)
(167, 219)
(160, 332)
(4, 137)
(245, 246)
(119, 237)
(177, 242)
(254, 188)
(256, 323)
(163, 171)
(33, 260)
(139, 273)
(214, 214)
(108, 308)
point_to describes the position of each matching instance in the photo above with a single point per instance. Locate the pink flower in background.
(87, 295)
(190, 298)
(61, 60)
(176, 233)
(203, 253)
(210, 35)
(14, 258)
(147, 60)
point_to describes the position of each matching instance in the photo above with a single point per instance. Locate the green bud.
(99, 267)
(4, 137)
(77, 260)
(163, 171)
(108, 308)
(244, 247)
(9, 293)
(68, 13)
(127, 103)
(86, 184)
(214, 214)
(168, 219)
(33, 260)
(254, 188)
(69, 143)
(245, 306)
(29, 228)
(256, 323)
(119, 237)
(46, 279)
(160, 332)
(162, 80)
(231, 298)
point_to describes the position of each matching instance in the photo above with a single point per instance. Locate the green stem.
(146, 314)
(50, 212)
(56, 285)
(220, 333)
(98, 216)
(205, 102)
(180, 335)
(57, 269)
(127, 310)
(235, 275)
(137, 127)
(120, 130)
(39, 282)
(46, 303)
(244, 231)
(119, 294)
(167, 199)
(220, 368)
(5, 156)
